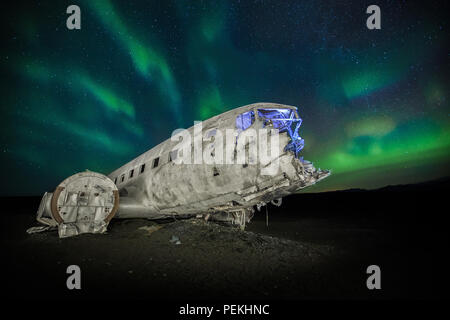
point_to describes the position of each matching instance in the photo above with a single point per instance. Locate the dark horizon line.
(437, 181)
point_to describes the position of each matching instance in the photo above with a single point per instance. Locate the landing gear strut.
(242, 216)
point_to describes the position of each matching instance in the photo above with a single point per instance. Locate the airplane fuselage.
(219, 169)
(154, 186)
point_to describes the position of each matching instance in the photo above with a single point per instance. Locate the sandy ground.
(136, 258)
(320, 255)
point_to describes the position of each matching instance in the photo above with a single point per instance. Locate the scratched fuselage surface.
(171, 189)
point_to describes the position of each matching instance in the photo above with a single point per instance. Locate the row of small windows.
(172, 156)
(243, 122)
(131, 174)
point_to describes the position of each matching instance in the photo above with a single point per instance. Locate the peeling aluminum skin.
(226, 192)
(223, 192)
(83, 203)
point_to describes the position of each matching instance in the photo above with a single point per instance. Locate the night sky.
(374, 103)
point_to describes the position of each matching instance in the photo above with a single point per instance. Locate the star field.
(374, 103)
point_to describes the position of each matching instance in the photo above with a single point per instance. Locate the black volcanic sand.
(316, 246)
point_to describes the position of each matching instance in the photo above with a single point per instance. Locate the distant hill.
(440, 183)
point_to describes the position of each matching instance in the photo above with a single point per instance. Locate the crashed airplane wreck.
(155, 185)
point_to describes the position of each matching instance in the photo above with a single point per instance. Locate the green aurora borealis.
(374, 103)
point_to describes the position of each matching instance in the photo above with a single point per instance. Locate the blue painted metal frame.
(285, 120)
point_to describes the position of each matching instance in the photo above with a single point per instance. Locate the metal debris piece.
(82, 203)
(150, 229)
(38, 229)
(175, 240)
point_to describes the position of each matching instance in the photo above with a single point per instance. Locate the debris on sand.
(38, 229)
(150, 229)
(175, 239)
